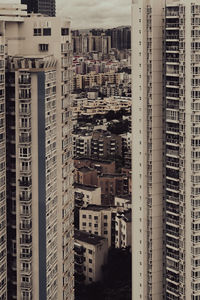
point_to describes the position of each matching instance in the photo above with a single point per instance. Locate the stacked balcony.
(172, 151)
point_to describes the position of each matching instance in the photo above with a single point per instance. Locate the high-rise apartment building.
(45, 7)
(166, 114)
(147, 154)
(35, 64)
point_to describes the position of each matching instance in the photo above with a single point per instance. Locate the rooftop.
(104, 161)
(85, 187)
(85, 169)
(88, 237)
(96, 207)
(126, 197)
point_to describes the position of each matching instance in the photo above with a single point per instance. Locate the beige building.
(98, 220)
(178, 194)
(90, 255)
(123, 229)
(3, 215)
(123, 201)
(147, 149)
(86, 194)
(39, 151)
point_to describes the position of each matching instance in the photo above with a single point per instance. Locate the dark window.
(90, 260)
(64, 31)
(84, 224)
(84, 216)
(105, 224)
(90, 251)
(90, 279)
(96, 217)
(105, 217)
(96, 232)
(43, 47)
(95, 225)
(47, 31)
(37, 32)
(105, 232)
(90, 270)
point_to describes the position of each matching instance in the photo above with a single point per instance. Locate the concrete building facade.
(90, 255)
(39, 193)
(168, 35)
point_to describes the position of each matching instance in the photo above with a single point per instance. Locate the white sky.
(93, 13)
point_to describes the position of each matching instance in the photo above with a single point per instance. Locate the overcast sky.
(93, 13)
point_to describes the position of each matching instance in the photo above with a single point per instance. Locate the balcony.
(172, 187)
(172, 25)
(172, 36)
(25, 139)
(172, 83)
(172, 141)
(172, 48)
(172, 95)
(172, 152)
(25, 183)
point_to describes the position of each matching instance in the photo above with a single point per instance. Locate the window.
(90, 279)
(43, 47)
(89, 251)
(95, 225)
(90, 224)
(64, 31)
(37, 32)
(84, 216)
(90, 260)
(95, 217)
(105, 232)
(105, 224)
(90, 270)
(47, 31)
(84, 224)
(96, 232)
(105, 217)
(90, 217)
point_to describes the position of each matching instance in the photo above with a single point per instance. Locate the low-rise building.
(103, 166)
(86, 194)
(98, 220)
(123, 229)
(90, 255)
(86, 176)
(112, 185)
(82, 144)
(123, 201)
(106, 145)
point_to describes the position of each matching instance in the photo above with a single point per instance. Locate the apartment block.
(103, 166)
(147, 151)
(112, 185)
(123, 201)
(3, 205)
(39, 195)
(123, 230)
(86, 194)
(166, 100)
(98, 220)
(90, 255)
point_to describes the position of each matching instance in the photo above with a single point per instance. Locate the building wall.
(42, 175)
(95, 257)
(96, 222)
(147, 149)
(3, 213)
